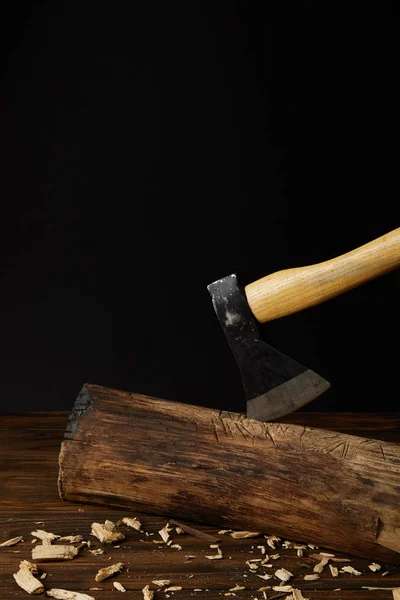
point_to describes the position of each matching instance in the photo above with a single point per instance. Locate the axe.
(274, 383)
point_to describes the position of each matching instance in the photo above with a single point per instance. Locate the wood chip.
(271, 539)
(282, 588)
(374, 567)
(334, 571)
(43, 575)
(107, 533)
(25, 564)
(385, 573)
(179, 530)
(45, 536)
(173, 588)
(297, 595)
(28, 582)
(321, 565)
(46, 552)
(196, 532)
(11, 542)
(132, 522)
(283, 574)
(61, 594)
(176, 546)
(311, 577)
(148, 594)
(216, 556)
(71, 538)
(396, 594)
(262, 548)
(164, 533)
(108, 571)
(97, 551)
(237, 588)
(265, 576)
(118, 586)
(161, 582)
(224, 531)
(351, 570)
(240, 535)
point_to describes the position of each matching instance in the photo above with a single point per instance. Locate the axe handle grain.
(202, 465)
(292, 290)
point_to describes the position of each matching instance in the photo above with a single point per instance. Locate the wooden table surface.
(29, 446)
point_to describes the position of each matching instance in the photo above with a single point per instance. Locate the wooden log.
(310, 485)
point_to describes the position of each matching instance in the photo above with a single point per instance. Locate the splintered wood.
(132, 522)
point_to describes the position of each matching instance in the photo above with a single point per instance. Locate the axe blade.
(275, 384)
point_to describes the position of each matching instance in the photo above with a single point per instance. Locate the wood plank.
(28, 493)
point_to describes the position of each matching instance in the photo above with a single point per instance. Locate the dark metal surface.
(275, 384)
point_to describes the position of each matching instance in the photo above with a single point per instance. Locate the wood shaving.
(28, 582)
(331, 559)
(327, 554)
(274, 556)
(61, 594)
(241, 535)
(108, 571)
(385, 573)
(161, 582)
(283, 574)
(179, 530)
(11, 542)
(25, 564)
(374, 567)
(311, 577)
(34, 541)
(71, 538)
(97, 551)
(351, 570)
(265, 576)
(107, 533)
(253, 566)
(132, 522)
(47, 552)
(271, 539)
(176, 546)
(173, 588)
(216, 556)
(282, 588)
(45, 536)
(334, 571)
(300, 552)
(321, 565)
(158, 542)
(43, 575)
(262, 548)
(118, 586)
(396, 593)
(148, 594)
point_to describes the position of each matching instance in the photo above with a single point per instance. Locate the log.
(193, 463)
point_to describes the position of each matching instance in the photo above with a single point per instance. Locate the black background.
(150, 150)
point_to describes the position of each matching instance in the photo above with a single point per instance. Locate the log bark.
(181, 461)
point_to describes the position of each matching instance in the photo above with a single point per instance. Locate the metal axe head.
(274, 383)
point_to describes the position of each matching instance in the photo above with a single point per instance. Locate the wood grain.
(223, 469)
(292, 290)
(29, 447)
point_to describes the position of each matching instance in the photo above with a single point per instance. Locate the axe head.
(274, 383)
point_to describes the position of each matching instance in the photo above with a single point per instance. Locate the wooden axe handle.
(292, 290)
